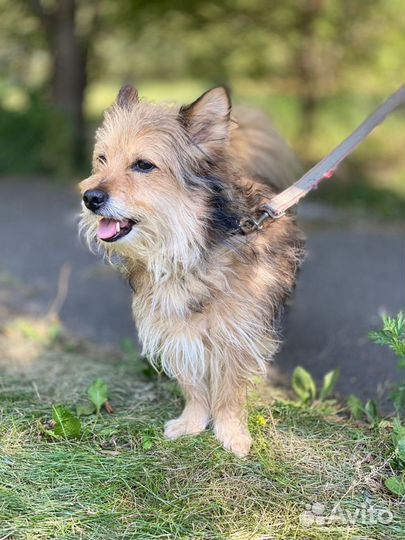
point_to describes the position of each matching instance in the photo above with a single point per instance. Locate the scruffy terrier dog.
(169, 188)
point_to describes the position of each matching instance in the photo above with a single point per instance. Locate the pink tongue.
(107, 228)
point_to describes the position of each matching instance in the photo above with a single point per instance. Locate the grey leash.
(326, 168)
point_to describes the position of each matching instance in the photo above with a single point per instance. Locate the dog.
(169, 189)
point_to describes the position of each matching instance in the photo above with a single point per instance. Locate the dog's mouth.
(111, 230)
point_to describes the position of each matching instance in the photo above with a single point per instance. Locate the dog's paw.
(234, 437)
(184, 426)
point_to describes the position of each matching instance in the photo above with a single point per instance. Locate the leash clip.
(250, 224)
(274, 214)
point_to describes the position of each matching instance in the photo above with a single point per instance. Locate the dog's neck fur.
(215, 238)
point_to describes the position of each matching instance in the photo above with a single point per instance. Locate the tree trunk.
(69, 53)
(306, 63)
(69, 73)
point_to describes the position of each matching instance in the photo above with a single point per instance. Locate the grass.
(122, 480)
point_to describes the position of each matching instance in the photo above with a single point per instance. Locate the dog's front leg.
(228, 408)
(195, 416)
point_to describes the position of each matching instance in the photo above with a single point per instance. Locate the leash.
(324, 169)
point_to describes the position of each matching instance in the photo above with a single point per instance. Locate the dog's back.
(263, 154)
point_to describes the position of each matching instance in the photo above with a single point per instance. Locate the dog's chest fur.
(223, 306)
(177, 301)
(173, 312)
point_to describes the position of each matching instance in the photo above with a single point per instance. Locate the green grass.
(122, 480)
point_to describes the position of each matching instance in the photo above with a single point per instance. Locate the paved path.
(352, 273)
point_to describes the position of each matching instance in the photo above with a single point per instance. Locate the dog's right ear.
(207, 119)
(127, 97)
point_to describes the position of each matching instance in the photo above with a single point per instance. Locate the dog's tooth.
(117, 226)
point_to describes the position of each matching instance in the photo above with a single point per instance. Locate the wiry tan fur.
(207, 299)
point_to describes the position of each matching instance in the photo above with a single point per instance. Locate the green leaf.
(329, 383)
(392, 335)
(303, 385)
(371, 411)
(398, 439)
(85, 408)
(98, 393)
(355, 406)
(66, 424)
(400, 449)
(147, 443)
(398, 429)
(396, 485)
(398, 398)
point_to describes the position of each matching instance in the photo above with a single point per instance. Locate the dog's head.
(153, 174)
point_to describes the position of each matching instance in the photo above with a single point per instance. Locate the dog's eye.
(143, 166)
(102, 159)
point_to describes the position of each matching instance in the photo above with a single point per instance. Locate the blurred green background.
(318, 67)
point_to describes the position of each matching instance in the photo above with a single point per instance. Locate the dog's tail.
(261, 151)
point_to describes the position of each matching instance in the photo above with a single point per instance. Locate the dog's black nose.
(94, 199)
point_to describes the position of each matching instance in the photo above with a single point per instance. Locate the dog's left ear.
(127, 97)
(207, 119)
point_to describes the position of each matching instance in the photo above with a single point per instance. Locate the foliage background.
(317, 66)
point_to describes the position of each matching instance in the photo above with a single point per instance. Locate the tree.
(69, 45)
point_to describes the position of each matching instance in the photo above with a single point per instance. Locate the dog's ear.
(127, 97)
(207, 119)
